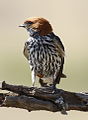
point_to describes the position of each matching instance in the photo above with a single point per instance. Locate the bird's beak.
(22, 25)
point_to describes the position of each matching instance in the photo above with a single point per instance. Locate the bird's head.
(38, 24)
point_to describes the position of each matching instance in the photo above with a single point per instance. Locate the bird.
(44, 51)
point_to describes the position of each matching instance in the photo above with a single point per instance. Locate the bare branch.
(32, 98)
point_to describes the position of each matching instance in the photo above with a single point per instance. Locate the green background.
(69, 19)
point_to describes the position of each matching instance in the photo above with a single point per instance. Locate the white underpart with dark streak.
(44, 58)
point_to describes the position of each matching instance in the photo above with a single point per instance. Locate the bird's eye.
(28, 22)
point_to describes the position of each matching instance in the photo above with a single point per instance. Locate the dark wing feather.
(25, 50)
(61, 51)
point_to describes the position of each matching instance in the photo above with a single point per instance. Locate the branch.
(33, 98)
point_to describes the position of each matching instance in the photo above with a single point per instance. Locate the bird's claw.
(61, 104)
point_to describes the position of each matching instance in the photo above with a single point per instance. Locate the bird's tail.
(63, 76)
(58, 78)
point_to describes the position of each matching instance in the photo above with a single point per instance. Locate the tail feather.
(63, 76)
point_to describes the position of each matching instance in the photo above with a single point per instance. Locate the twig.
(33, 98)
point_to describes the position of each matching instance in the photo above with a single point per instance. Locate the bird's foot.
(61, 105)
(49, 89)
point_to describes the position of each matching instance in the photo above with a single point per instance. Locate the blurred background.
(69, 19)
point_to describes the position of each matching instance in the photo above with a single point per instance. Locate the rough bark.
(33, 98)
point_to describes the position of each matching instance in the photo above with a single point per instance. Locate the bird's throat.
(32, 32)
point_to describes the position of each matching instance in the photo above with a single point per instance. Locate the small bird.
(44, 52)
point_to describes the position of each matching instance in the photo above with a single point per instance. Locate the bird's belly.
(44, 62)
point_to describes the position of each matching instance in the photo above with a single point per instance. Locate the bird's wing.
(59, 45)
(61, 52)
(25, 50)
